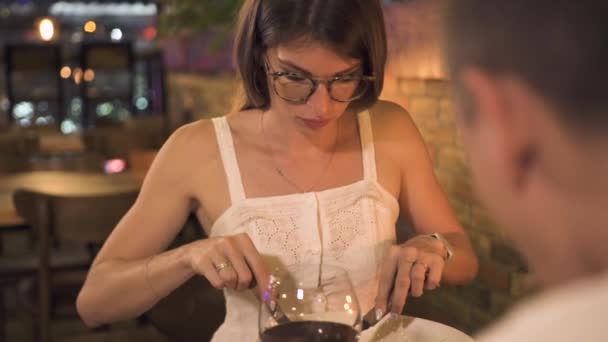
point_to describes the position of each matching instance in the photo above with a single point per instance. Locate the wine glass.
(309, 302)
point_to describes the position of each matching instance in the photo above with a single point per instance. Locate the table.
(60, 183)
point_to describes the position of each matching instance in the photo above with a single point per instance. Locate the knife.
(373, 316)
(370, 319)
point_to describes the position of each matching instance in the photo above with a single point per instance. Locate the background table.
(60, 183)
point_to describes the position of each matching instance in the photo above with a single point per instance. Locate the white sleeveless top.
(351, 226)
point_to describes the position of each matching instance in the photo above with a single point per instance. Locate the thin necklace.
(282, 173)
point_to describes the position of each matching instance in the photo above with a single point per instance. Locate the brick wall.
(193, 96)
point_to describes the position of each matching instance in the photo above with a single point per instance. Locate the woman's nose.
(320, 99)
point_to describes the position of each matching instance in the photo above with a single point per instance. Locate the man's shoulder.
(574, 312)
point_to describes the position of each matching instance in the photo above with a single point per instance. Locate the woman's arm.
(118, 290)
(119, 282)
(430, 212)
(129, 275)
(420, 263)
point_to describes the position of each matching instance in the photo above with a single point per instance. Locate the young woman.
(311, 168)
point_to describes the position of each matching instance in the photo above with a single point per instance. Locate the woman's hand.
(229, 262)
(411, 267)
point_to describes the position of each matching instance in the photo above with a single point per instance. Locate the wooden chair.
(68, 230)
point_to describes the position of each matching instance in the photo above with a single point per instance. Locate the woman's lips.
(314, 123)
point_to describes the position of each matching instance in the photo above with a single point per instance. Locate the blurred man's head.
(532, 105)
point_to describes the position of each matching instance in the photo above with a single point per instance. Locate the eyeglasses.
(297, 88)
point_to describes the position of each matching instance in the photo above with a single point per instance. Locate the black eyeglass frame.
(315, 81)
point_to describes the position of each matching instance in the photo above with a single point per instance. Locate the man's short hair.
(559, 47)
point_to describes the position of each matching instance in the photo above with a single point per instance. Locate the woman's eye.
(295, 77)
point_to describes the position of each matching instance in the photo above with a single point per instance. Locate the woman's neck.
(286, 136)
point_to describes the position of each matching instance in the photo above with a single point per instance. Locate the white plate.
(412, 329)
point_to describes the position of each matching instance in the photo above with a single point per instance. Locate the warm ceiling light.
(77, 74)
(89, 75)
(46, 28)
(65, 72)
(90, 26)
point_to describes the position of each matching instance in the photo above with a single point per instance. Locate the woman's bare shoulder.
(189, 150)
(196, 142)
(396, 134)
(391, 120)
(192, 140)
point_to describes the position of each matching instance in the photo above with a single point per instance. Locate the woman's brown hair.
(353, 28)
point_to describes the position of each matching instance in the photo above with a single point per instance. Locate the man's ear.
(503, 109)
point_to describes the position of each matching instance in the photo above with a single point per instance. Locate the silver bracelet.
(449, 253)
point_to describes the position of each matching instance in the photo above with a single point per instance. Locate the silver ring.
(222, 265)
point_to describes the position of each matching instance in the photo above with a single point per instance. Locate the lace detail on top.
(280, 234)
(351, 226)
(344, 228)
